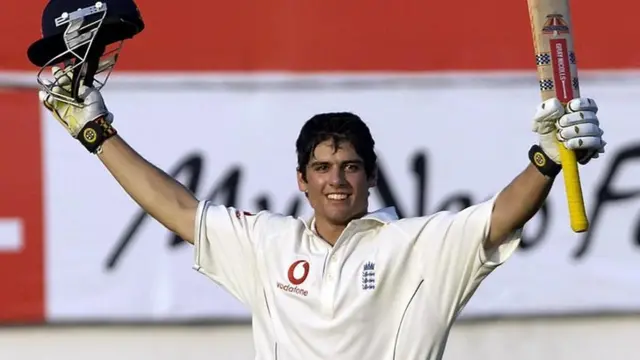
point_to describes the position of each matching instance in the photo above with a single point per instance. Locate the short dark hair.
(339, 127)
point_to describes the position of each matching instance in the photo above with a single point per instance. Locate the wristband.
(94, 133)
(543, 163)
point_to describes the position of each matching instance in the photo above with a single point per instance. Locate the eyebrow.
(346, 162)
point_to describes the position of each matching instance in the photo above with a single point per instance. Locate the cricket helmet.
(84, 39)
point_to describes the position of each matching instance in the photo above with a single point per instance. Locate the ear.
(302, 185)
(373, 180)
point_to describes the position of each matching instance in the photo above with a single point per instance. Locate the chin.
(340, 218)
(343, 221)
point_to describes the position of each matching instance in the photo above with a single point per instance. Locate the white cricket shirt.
(388, 289)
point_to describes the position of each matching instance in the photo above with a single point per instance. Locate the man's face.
(337, 185)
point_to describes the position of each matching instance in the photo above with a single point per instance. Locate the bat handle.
(573, 190)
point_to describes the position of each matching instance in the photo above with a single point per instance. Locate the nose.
(337, 177)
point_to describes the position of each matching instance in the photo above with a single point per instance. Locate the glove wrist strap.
(543, 163)
(94, 133)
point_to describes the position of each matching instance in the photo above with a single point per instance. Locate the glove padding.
(73, 118)
(89, 122)
(576, 127)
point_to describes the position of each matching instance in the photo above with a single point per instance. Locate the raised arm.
(161, 196)
(577, 127)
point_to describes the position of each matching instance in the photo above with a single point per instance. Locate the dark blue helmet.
(84, 38)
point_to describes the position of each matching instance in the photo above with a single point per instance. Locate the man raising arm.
(161, 196)
(224, 238)
(578, 128)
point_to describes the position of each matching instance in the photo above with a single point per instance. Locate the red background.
(345, 35)
(22, 273)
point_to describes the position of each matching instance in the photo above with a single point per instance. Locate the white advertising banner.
(441, 144)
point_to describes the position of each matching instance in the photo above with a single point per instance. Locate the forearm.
(161, 196)
(518, 203)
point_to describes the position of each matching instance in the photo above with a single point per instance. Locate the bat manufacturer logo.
(555, 24)
(561, 69)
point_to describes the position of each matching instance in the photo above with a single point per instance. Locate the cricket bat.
(558, 77)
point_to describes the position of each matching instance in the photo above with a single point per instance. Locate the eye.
(352, 167)
(321, 167)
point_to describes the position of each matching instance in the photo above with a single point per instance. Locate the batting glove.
(91, 123)
(576, 126)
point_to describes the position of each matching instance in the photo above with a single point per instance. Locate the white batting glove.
(91, 123)
(577, 127)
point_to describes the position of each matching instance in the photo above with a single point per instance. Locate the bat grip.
(573, 190)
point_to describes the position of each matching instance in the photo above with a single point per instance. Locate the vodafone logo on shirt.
(21, 210)
(297, 274)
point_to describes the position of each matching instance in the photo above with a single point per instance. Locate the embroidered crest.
(369, 276)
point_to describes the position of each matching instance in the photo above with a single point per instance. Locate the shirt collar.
(378, 217)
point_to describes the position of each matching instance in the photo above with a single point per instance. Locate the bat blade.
(558, 77)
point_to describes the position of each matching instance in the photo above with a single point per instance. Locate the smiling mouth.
(337, 197)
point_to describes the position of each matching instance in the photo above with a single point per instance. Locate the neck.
(329, 232)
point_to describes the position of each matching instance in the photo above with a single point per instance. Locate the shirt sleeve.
(225, 248)
(454, 257)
